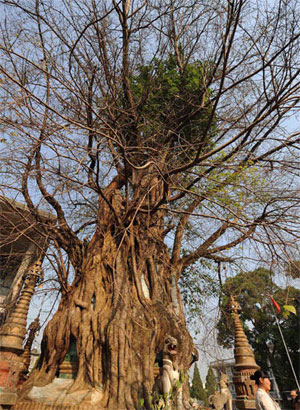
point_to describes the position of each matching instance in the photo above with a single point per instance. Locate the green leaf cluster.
(173, 106)
(196, 284)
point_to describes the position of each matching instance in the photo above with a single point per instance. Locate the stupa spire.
(245, 363)
(14, 330)
(243, 354)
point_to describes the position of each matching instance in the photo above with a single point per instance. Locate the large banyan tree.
(157, 133)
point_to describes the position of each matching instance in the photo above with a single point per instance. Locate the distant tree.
(251, 290)
(211, 384)
(197, 389)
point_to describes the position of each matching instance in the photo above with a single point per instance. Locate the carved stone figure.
(224, 398)
(169, 377)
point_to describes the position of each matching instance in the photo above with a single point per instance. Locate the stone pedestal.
(11, 365)
(245, 389)
(56, 396)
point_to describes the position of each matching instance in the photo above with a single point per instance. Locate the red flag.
(277, 307)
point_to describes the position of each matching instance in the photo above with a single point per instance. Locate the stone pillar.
(12, 335)
(245, 364)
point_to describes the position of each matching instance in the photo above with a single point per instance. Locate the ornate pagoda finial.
(243, 354)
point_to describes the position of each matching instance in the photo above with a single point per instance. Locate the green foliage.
(197, 389)
(173, 107)
(211, 384)
(233, 188)
(196, 284)
(251, 291)
(159, 401)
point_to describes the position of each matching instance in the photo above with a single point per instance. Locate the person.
(263, 400)
(294, 400)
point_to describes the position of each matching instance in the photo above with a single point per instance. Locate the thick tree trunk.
(119, 311)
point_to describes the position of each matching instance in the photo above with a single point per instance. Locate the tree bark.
(119, 310)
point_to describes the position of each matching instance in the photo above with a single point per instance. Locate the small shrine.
(69, 367)
(245, 364)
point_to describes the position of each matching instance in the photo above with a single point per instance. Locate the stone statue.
(169, 378)
(224, 398)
